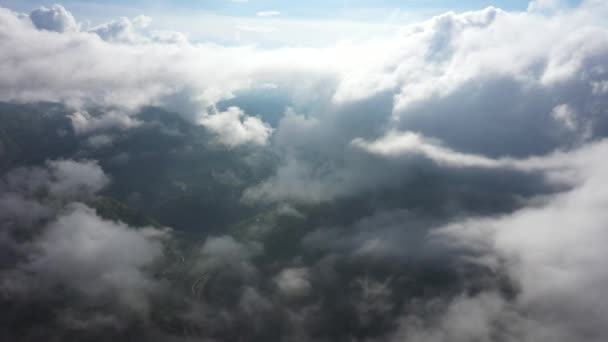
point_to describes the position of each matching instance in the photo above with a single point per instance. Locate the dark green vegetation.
(168, 172)
(172, 172)
(33, 133)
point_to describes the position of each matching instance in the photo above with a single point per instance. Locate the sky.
(294, 9)
(272, 22)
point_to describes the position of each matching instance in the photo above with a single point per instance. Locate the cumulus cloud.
(435, 61)
(234, 127)
(123, 30)
(93, 256)
(449, 80)
(53, 241)
(135, 31)
(55, 18)
(553, 252)
(29, 196)
(70, 177)
(62, 179)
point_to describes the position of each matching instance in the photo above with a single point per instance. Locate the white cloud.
(94, 256)
(565, 115)
(414, 64)
(554, 252)
(83, 122)
(133, 31)
(65, 180)
(408, 143)
(68, 244)
(55, 18)
(121, 31)
(477, 89)
(71, 178)
(545, 5)
(268, 13)
(439, 78)
(169, 37)
(234, 127)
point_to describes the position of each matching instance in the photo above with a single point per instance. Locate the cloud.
(94, 256)
(268, 13)
(169, 37)
(443, 90)
(17, 210)
(84, 123)
(565, 115)
(293, 282)
(99, 141)
(70, 178)
(61, 179)
(52, 241)
(235, 128)
(545, 5)
(396, 144)
(225, 251)
(55, 18)
(413, 73)
(554, 254)
(123, 30)
(31, 196)
(226, 248)
(401, 145)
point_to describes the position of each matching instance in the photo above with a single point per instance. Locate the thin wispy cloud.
(268, 13)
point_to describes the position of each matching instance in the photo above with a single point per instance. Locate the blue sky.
(310, 22)
(295, 9)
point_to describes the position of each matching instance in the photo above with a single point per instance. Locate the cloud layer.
(443, 183)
